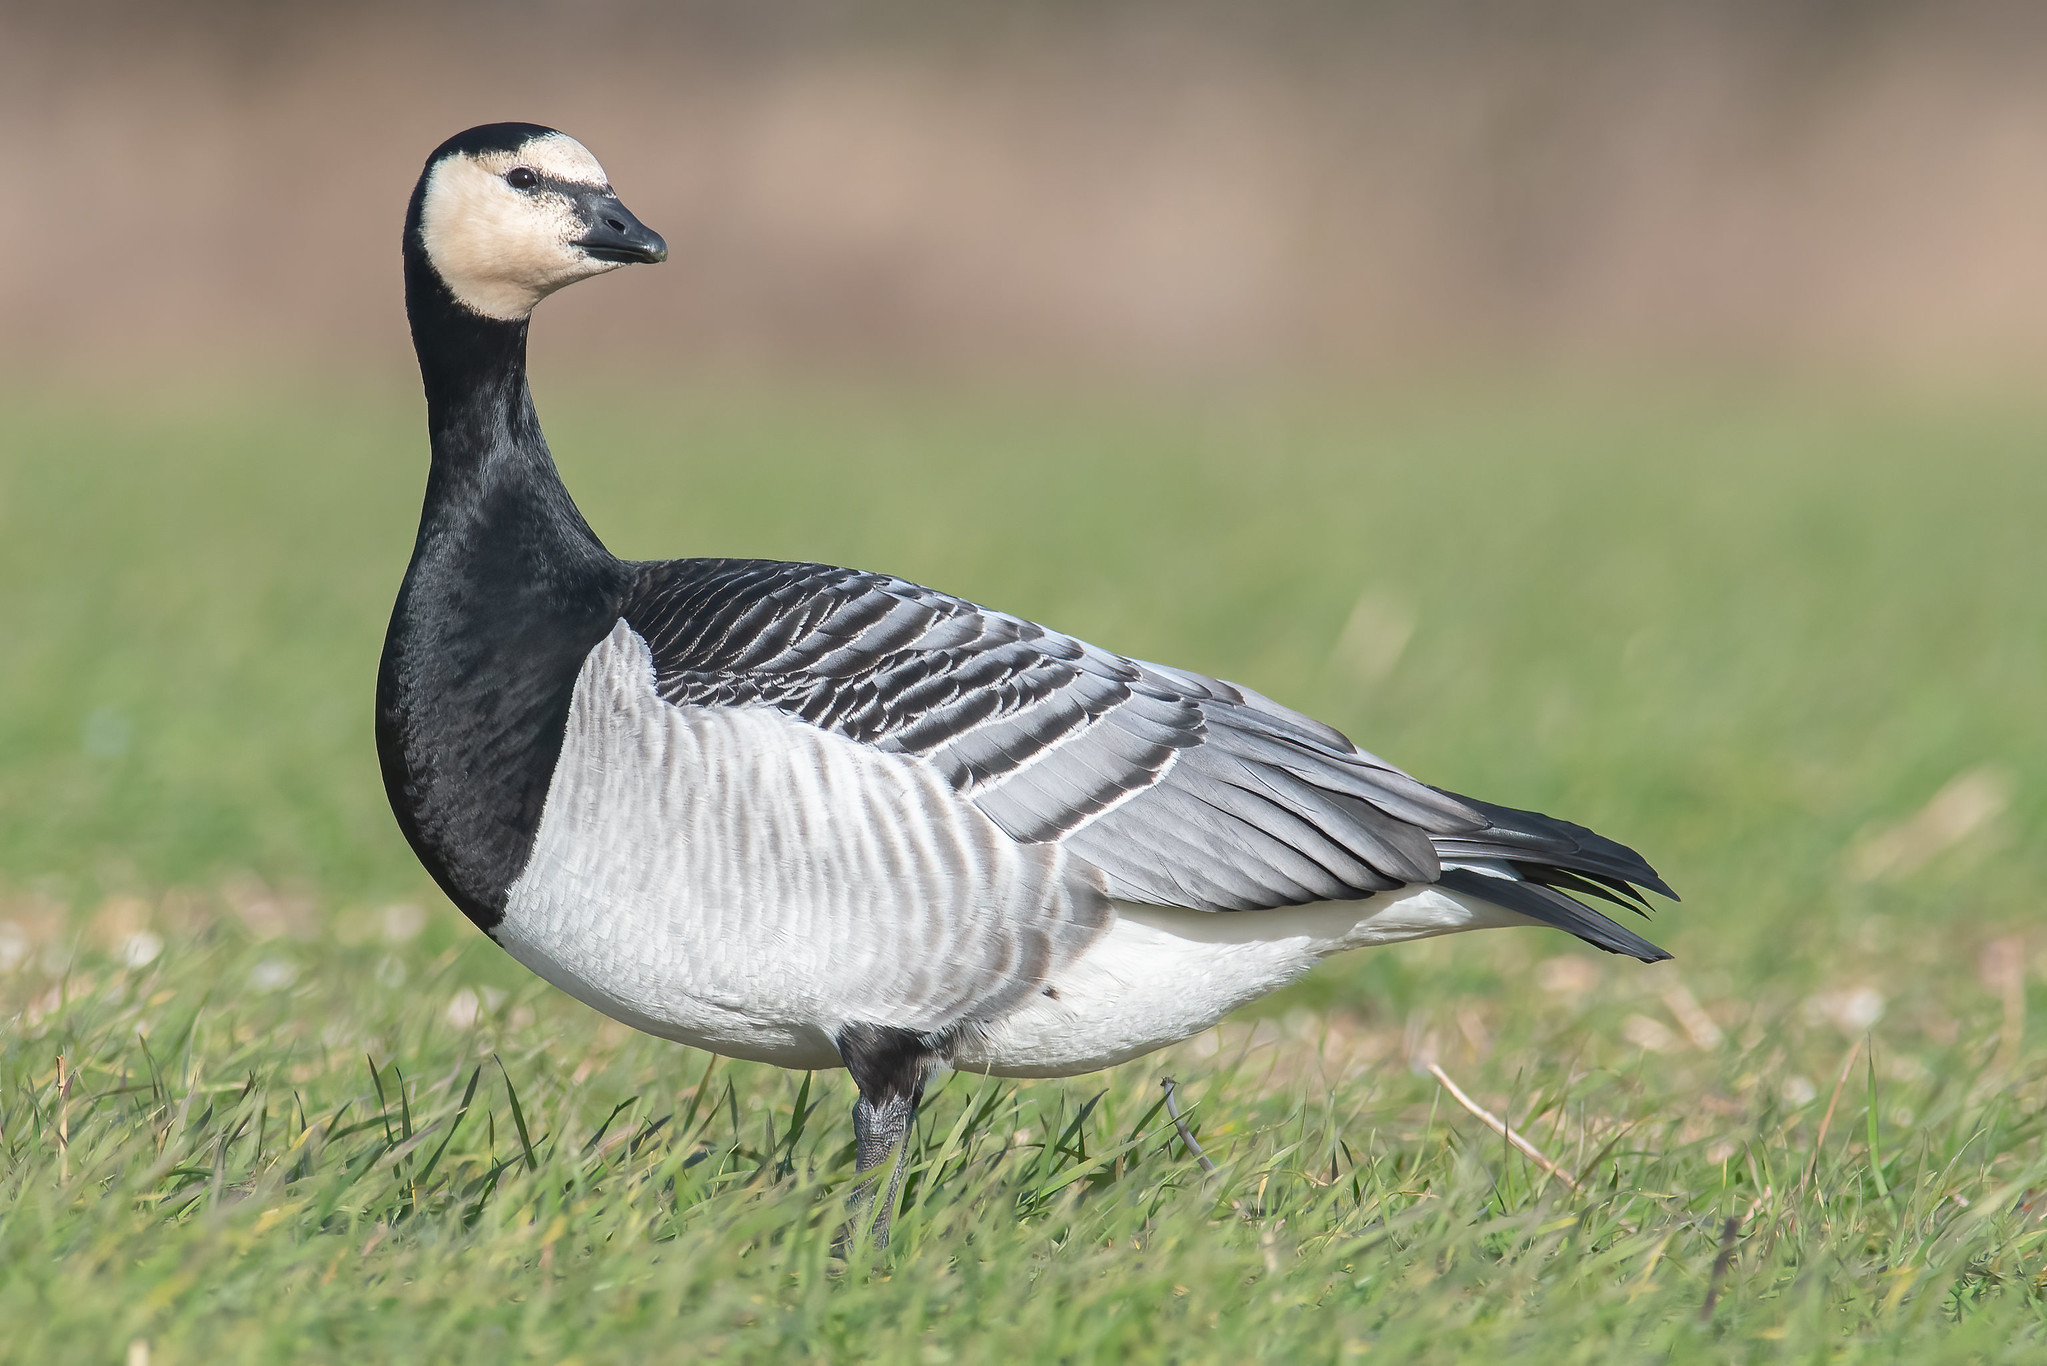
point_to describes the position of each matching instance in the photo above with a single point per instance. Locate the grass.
(263, 1097)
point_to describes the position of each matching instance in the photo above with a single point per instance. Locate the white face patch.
(502, 250)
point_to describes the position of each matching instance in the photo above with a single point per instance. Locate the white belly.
(1159, 975)
(740, 881)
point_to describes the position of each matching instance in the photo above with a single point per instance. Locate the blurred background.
(1116, 190)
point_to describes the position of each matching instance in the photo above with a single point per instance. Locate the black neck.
(507, 591)
(484, 432)
(460, 351)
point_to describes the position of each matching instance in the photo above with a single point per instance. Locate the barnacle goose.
(819, 817)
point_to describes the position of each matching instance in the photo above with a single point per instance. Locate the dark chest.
(498, 610)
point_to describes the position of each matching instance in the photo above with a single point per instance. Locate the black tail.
(1552, 858)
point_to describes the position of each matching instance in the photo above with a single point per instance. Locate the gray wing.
(1181, 790)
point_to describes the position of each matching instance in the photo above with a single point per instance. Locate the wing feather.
(1178, 789)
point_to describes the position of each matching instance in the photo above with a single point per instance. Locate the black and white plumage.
(820, 817)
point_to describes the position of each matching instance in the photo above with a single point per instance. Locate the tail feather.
(1552, 907)
(1585, 884)
(1530, 836)
(1552, 863)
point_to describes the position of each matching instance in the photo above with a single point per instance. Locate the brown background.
(1079, 190)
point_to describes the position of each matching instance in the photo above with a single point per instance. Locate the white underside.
(737, 880)
(1162, 974)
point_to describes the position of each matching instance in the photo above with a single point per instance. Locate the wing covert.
(1179, 789)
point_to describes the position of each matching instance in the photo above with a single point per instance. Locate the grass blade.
(518, 1116)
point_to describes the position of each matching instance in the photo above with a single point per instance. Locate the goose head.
(508, 213)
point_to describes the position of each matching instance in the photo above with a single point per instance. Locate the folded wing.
(1181, 790)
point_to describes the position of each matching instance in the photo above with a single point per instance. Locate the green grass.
(1752, 636)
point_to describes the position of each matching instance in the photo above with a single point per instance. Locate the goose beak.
(615, 235)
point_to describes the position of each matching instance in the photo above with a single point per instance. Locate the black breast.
(498, 610)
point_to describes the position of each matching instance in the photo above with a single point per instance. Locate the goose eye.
(519, 178)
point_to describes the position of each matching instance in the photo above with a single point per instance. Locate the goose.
(826, 818)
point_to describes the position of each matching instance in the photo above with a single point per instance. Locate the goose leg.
(890, 1066)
